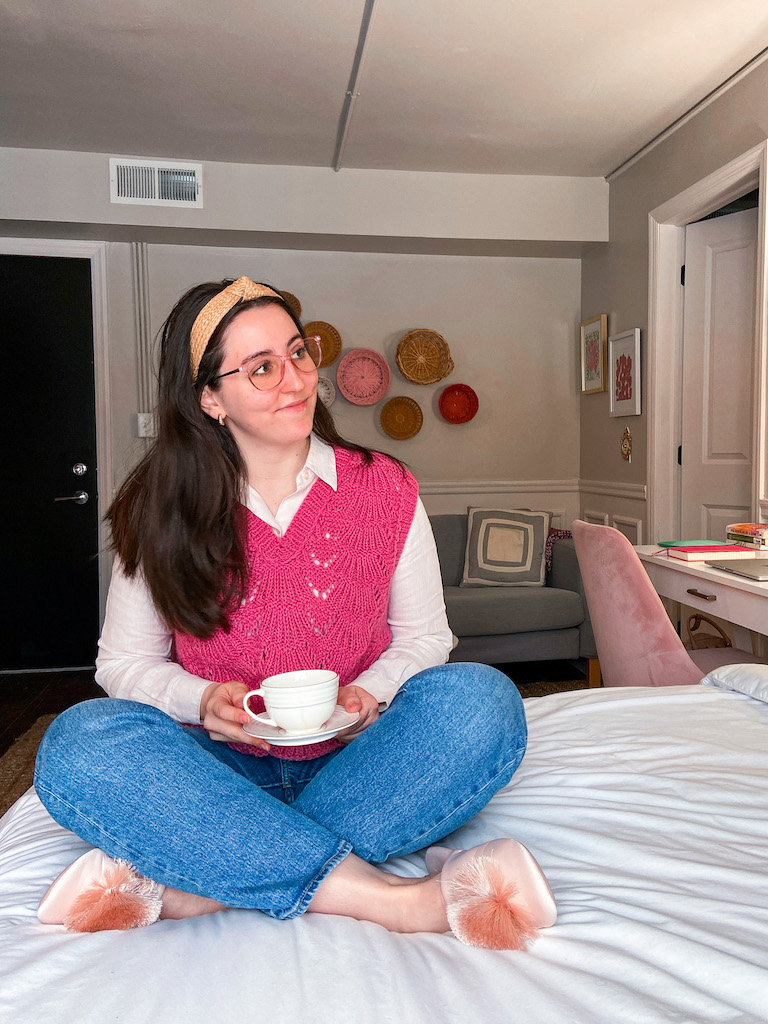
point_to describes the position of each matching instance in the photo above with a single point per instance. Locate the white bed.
(648, 809)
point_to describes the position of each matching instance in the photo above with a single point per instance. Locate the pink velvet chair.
(636, 643)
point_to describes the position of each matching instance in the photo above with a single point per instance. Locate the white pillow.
(750, 679)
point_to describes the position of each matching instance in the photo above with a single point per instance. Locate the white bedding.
(648, 809)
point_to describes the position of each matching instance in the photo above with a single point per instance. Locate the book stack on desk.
(754, 535)
(708, 552)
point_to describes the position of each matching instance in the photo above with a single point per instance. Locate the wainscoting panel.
(611, 503)
(631, 528)
(596, 518)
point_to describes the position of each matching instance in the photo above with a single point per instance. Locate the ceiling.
(544, 87)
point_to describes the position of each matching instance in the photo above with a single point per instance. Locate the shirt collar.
(321, 461)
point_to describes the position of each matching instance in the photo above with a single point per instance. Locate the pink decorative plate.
(458, 403)
(363, 376)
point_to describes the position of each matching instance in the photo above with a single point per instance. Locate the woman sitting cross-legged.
(253, 540)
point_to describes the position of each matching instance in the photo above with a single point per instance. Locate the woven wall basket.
(423, 356)
(326, 392)
(363, 376)
(458, 403)
(293, 303)
(330, 340)
(401, 418)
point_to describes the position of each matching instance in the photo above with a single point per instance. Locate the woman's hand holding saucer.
(355, 698)
(222, 714)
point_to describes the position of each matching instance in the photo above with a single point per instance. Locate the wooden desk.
(708, 590)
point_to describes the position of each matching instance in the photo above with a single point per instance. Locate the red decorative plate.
(363, 376)
(458, 403)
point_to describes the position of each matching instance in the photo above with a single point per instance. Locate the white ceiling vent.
(155, 182)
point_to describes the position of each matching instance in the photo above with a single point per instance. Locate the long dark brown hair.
(177, 516)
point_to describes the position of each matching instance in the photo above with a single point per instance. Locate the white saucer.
(340, 719)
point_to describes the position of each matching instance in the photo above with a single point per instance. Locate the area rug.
(17, 764)
(542, 689)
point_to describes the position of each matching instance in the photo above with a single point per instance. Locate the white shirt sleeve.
(421, 636)
(135, 650)
(135, 645)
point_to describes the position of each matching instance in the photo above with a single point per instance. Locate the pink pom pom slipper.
(496, 895)
(97, 892)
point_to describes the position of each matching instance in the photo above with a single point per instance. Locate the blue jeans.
(263, 832)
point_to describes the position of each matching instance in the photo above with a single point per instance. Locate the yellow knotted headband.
(214, 311)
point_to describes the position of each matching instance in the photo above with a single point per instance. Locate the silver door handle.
(79, 497)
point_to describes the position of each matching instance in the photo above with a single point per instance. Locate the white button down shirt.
(135, 645)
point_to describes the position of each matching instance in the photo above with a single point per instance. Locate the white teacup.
(300, 701)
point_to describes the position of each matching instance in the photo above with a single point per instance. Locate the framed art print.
(624, 373)
(592, 341)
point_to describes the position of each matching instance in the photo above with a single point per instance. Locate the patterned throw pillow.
(505, 548)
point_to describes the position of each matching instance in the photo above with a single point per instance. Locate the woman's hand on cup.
(354, 698)
(223, 715)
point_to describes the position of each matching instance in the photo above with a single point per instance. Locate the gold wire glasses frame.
(267, 371)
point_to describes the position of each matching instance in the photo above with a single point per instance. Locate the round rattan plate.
(293, 303)
(401, 418)
(458, 403)
(423, 356)
(330, 340)
(326, 392)
(363, 376)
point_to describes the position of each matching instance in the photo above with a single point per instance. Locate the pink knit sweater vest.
(316, 597)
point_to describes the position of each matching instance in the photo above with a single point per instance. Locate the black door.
(49, 547)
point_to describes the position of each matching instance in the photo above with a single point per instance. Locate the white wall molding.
(499, 486)
(595, 518)
(614, 489)
(139, 252)
(666, 229)
(146, 378)
(96, 252)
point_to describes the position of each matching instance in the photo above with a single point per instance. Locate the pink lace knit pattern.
(318, 596)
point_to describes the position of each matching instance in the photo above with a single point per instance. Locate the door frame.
(96, 252)
(664, 343)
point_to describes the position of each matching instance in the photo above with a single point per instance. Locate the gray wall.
(615, 276)
(510, 324)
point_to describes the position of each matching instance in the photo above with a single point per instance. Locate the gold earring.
(222, 419)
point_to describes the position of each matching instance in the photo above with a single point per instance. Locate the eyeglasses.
(266, 372)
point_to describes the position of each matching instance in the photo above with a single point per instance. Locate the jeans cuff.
(302, 904)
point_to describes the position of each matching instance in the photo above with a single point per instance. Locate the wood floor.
(24, 698)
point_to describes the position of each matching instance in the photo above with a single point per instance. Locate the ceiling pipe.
(352, 93)
(688, 115)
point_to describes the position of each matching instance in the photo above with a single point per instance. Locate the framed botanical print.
(624, 373)
(594, 363)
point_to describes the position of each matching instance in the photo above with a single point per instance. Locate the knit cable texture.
(317, 597)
